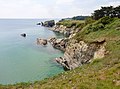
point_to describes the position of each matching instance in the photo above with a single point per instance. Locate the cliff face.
(62, 29)
(60, 44)
(79, 53)
(68, 32)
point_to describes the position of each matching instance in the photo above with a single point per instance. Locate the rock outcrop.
(50, 23)
(64, 30)
(60, 44)
(41, 41)
(79, 53)
(23, 35)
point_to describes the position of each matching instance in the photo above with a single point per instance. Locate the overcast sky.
(50, 8)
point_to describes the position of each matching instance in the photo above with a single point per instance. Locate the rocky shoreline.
(75, 53)
(79, 53)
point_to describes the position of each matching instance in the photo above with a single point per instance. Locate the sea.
(21, 59)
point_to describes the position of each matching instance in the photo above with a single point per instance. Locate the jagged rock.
(50, 23)
(59, 43)
(23, 34)
(79, 53)
(59, 28)
(41, 41)
(64, 30)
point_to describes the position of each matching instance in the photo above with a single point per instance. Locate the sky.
(51, 8)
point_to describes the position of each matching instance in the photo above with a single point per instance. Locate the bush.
(106, 20)
(89, 20)
(71, 23)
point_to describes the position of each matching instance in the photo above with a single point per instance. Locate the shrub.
(89, 20)
(106, 20)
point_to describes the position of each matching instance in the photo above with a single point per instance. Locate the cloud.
(21, 9)
(67, 2)
(50, 8)
(113, 3)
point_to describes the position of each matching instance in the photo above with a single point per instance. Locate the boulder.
(60, 44)
(23, 34)
(41, 41)
(38, 23)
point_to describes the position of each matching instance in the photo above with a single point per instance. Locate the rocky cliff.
(60, 44)
(79, 53)
(68, 27)
(63, 29)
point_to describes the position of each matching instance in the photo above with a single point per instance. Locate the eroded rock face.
(77, 54)
(41, 41)
(60, 44)
(63, 29)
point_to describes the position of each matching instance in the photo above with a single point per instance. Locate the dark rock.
(38, 23)
(42, 23)
(23, 34)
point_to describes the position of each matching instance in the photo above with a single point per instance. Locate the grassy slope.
(71, 23)
(100, 74)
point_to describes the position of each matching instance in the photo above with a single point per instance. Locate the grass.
(99, 74)
(71, 23)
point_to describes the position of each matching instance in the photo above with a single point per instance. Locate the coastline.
(86, 56)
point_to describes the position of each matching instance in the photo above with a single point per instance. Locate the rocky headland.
(49, 23)
(76, 53)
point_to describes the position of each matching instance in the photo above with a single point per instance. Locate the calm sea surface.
(21, 59)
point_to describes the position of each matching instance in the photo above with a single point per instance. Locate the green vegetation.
(101, 28)
(76, 18)
(71, 23)
(101, 73)
(79, 17)
(107, 11)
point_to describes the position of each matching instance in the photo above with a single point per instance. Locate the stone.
(23, 34)
(100, 53)
(60, 44)
(79, 53)
(118, 28)
(41, 41)
(38, 23)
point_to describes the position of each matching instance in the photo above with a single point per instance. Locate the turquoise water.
(21, 59)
